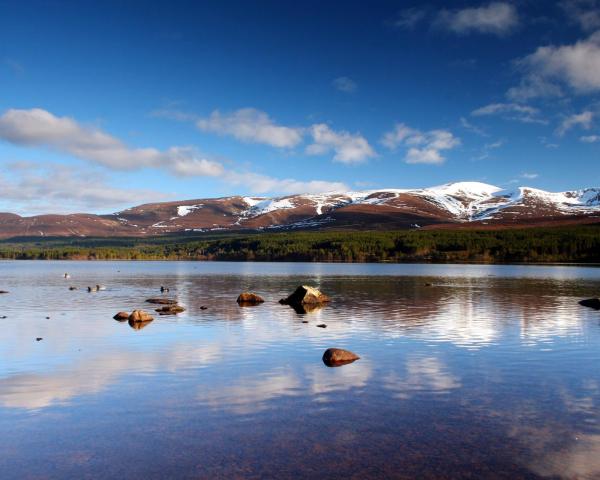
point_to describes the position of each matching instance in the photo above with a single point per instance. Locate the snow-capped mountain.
(458, 205)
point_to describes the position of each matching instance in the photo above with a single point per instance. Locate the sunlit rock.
(247, 299)
(162, 301)
(305, 295)
(140, 316)
(121, 316)
(336, 357)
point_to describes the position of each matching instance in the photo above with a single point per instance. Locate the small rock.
(47, 318)
(322, 325)
(428, 284)
(72, 288)
(162, 301)
(140, 316)
(591, 303)
(170, 310)
(304, 321)
(3, 291)
(336, 357)
(38, 339)
(3, 317)
(121, 316)
(203, 307)
(248, 298)
(305, 295)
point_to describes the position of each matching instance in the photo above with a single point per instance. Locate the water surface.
(465, 372)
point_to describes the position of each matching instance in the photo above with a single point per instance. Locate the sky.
(106, 105)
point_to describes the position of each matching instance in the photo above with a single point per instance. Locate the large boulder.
(336, 357)
(121, 316)
(140, 316)
(591, 303)
(162, 301)
(305, 295)
(248, 298)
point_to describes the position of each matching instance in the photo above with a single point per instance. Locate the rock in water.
(162, 301)
(336, 357)
(140, 316)
(139, 325)
(72, 288)
(591, 303)
(3, 291)
(121, 316)
(248, 298)
(170, 310)
(305, 295)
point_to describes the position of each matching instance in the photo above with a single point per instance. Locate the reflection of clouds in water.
(249, 395)
(92, 375)
(560, 317)
(580, 460)
(426, 374)
(324, 380)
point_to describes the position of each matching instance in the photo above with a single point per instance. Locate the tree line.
(579, 244)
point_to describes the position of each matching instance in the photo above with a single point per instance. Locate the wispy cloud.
(40, 128)
(422, 147)
(409, 18)
(511, 111)
(496, 18)
(583, 120)
(251, 125)
(64, 189)
(345, 84)
(349, 148)
(590, 138)
(529, 176)
(472, 128)
(586, 13)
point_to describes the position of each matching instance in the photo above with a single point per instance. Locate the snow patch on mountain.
(184, 210)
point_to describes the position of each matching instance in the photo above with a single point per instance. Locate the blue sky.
(105, 105)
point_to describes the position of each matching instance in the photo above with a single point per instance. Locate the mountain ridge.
(458, 205)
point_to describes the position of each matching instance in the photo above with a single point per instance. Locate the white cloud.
(349, 148)
(497, 18)
(590, 138)
(251, 125)
(259, 184)
(423, 147)
(345, 84)
(510, 111)
(577, 66)
(40, 128)
(64, 189)
(583, 119)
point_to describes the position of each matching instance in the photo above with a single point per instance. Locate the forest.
(579, 244)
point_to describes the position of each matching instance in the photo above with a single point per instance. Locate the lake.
(465, 372)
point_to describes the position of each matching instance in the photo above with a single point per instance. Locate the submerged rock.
(305, 295)
(303, 309)
(121, 316)
(336, 357)
(248, 298)
(162, 301)
(591, 303)
(170, 310)
(140, 316)
(3, 291)
(322, 325)
(38, 339)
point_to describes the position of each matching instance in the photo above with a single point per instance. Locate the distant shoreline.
(578, 245)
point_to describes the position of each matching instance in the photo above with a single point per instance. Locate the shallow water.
(490, 372)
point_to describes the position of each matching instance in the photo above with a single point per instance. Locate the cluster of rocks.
(591, 303)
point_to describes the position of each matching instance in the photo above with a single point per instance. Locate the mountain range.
(453, 205)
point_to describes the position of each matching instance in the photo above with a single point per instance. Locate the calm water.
(491, 372)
